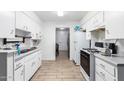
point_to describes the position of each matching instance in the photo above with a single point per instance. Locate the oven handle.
(84, 56)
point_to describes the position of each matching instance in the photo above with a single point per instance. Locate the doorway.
(62, 43)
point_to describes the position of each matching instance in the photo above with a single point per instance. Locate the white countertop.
(27, 53)
(119, 60)
(7, 51)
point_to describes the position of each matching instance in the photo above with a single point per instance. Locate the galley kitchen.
(61, 46)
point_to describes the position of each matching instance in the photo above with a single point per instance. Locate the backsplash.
(100, 37)
(120, 44)
(28, 43)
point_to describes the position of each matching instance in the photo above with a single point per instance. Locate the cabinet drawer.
(98, 78)
(105, 66)
(104, 75)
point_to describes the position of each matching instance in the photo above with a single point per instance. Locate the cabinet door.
(19, 74)
(28, 70)
(7, 24)
(114, 22)
(34, 30)
(10, 61)
(98, 78)
(23, 22)
(88, 35)
(98, 20)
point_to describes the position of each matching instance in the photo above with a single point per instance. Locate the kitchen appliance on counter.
(110, 49)
(87, 63)
(99, 44)
(113, 47)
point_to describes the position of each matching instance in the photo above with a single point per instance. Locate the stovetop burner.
(92, 50)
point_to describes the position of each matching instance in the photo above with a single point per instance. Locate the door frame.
(68, 41)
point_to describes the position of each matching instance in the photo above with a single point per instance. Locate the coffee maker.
(113, 47)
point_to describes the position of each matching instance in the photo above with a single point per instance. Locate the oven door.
(85, 62)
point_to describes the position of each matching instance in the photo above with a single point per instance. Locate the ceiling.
(68, 15)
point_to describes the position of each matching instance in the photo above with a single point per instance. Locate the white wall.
(49, 38)
(61, 39)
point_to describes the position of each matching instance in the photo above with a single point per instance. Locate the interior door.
(62, 40)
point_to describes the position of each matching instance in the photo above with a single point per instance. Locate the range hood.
(22, 33)
(102, 28)
(83, 30)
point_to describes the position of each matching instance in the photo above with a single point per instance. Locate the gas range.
(87, 63)
(91, 50)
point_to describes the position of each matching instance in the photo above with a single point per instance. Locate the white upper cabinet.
(96, 21)
(114, 24)
(36, 31)
(88, 35)
(7, 24)
(23, 22)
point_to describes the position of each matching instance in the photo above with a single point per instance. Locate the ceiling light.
(62, 28)
(60, 13)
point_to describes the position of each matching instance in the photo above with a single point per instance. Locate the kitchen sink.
(7, 48)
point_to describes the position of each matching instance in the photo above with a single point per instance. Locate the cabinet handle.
(102, 66)
(108, 32)
(33, 64)
(26, 28)
(103, 75)
(22, 73)
(12, 31)
(23, 27)
(114, 72)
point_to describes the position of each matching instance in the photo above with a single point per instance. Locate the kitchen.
(27, 45)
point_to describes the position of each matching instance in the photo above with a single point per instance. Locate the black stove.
(91, 50)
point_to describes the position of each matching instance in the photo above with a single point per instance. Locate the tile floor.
(60, 70)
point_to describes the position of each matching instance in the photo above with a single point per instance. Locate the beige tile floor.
(60, 70)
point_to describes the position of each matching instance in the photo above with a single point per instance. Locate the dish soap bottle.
(18, 48)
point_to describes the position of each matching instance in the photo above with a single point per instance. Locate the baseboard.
(48, 60)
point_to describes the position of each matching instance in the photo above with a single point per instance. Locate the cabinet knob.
(26, 28)
(12, 31)
(23, 27)
(108, 32)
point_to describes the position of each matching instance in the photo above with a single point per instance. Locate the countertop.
(119, 60)
(7, 51)
(114, 60)
(25, 54)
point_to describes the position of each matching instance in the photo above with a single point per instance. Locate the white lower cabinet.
(103, 74)
(25, 67)
(19, 74)
(98, 78)
(28, 70)
(104, 71)
(33, 62)
(10, 60)
(19, 69)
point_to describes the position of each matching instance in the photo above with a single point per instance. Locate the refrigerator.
(79, 43)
